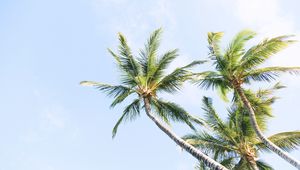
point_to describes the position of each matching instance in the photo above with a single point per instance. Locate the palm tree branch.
(259, 53)
(110, 90)
(286, 140)
(129, 113)
(269, 73)
(174, 112)
(173, 81)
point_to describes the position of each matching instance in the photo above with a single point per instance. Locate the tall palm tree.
(144, 77)
(236, 67)
(233, 142)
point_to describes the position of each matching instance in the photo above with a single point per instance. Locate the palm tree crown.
(236, 66)
(234, 142)
(144, 77)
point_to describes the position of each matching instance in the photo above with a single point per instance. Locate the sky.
(49, 122)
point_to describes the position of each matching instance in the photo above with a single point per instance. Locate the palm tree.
(144, 77)
(236, 67)
(233, 142)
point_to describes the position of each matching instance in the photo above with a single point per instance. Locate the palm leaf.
(263, 165)
(209, 143)
(214, 39)
(162, 64)
(259, 53)
(236, 47)
(148, 55)
(127, 62)
(211, 79)
(173, 81)
(270, 73)
(129, 113)
(286, 140)
(174, 112)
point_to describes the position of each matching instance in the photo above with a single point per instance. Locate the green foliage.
(236, 65)
(231, 142)
(143, 77)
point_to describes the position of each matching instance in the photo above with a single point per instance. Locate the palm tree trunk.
(183, 144)
(258, 132)
(252, 162)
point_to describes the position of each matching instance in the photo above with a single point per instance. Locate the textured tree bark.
(286, 156)
(183, 144)
(252, 162)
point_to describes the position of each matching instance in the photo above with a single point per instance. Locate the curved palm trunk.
(252, 162)
(258, 132)
(183, 144)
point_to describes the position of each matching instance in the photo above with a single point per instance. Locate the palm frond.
(209, 143)
(148, 55)
(211, 117)
(270, 73)
(264, 50)
(174, 112)
(173, 81)
(162, 64)
(228, 162)
(116, 57)
(120, 98)
(211, 79)
(286, 140)
(127, 62)
(213, 120)
(129, 113)
(110, 90)
(236, 47)
(214, 39)
(263, 165)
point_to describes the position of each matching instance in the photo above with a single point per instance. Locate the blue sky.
(47, 47)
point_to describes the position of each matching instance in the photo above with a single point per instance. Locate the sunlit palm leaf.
(285, 140)
(162, 64)
(259, 53)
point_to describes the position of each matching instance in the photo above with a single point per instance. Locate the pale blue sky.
(49, 122)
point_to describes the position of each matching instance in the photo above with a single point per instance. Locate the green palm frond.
(173, 81)
(211, 79)
(263, 165)
(116, 57)
(129, 113)
(270, 73)
(265, 93)
(173, 111)
(148, 55)
(127, 62)
(163, 63)
(211, 117)
(120, 98)
(259, 53)
(110, 90)
(236, 47)
(209, 143)
(228, 162)
(213, 120)
(286, 140)
(214, 39)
